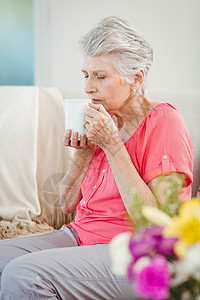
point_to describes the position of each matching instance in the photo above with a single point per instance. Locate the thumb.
(99, 107)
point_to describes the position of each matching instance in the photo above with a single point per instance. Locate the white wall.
(172, 27)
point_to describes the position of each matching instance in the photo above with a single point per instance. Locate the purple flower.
(166, 247)
(153, 280)
(150, 242)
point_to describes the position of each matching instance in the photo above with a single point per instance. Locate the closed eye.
(85, 74)
(100, 77)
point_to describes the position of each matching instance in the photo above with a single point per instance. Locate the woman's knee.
(17, 276)
(26, 277)
(8, 253)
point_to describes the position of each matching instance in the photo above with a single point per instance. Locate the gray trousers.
(54, 266)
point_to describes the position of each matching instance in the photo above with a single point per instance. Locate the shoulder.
(165, 110)
(164, 123)
(164, 115)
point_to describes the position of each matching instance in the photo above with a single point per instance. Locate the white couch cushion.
(18, 153)
(33, 159)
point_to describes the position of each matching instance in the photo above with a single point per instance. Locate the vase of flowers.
(162, 256)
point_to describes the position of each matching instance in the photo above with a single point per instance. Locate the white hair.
(115, 36)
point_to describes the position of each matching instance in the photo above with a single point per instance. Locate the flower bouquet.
(162, 257)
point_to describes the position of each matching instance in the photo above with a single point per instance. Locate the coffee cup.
(74, 114)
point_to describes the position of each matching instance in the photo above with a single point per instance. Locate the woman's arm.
(70, 186)
(127, 178)
(161, 183)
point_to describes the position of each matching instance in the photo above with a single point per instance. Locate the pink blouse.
(160, 145)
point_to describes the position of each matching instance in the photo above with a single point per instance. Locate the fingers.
(74, 139)
(93, 110)
(98, 107)
(97, 123)
(71, 140)
(95, 119)
(67, 137)
(100, 129)
(83, 141)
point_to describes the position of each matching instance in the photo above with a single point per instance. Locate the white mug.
(74, 114)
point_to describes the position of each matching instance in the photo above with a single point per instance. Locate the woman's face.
(103, 84)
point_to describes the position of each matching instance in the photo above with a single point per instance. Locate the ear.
(138, 79)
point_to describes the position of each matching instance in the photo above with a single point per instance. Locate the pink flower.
(153, 280)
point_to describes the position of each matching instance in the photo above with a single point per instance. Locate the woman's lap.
(12, 248)
(61, 273)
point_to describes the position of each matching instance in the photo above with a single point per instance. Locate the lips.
(96, 100)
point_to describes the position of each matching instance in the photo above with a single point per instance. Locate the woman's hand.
(71, 140)
(101, 129)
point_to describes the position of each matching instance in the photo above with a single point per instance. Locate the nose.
(90, 87)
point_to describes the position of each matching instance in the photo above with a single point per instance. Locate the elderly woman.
(129, 142)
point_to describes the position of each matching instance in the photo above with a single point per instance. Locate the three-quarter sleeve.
(164, 145)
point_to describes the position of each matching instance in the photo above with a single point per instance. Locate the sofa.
(33, 159)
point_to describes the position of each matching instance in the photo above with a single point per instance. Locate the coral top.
(160, 145)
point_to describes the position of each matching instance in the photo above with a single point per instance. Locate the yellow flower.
(186, 226)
